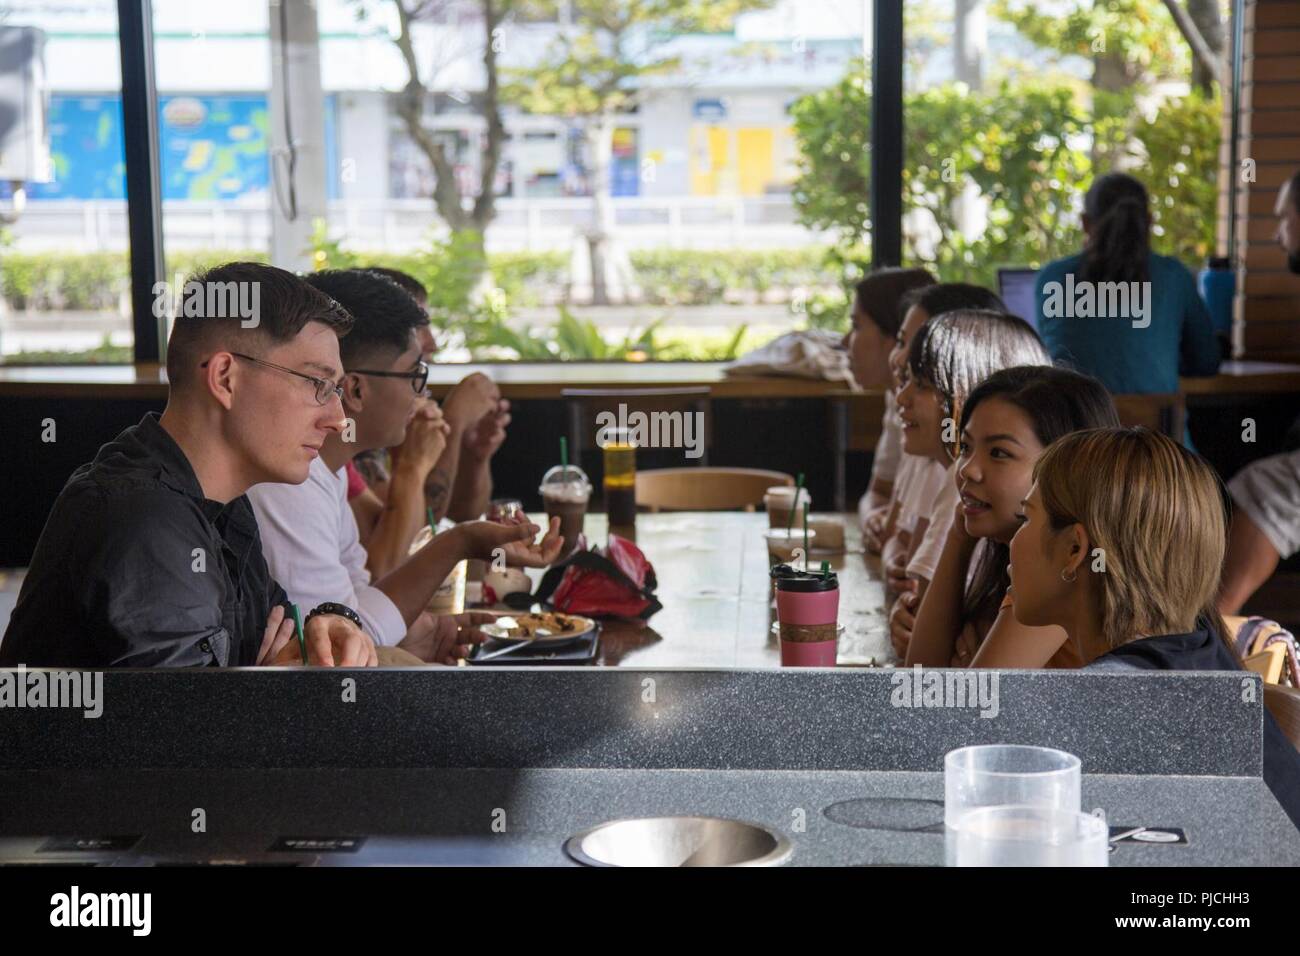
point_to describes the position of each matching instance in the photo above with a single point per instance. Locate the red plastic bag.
(617, 583)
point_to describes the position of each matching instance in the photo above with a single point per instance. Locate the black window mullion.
(887, 133)
(143, 199)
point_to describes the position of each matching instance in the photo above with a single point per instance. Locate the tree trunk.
(1205, 14)
(600, 143)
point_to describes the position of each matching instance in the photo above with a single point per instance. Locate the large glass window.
(657, 223)
(64, 290)
(1014, 106)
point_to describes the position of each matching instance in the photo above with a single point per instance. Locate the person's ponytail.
(1119, 246)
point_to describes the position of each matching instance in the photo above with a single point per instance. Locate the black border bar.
(140, 146)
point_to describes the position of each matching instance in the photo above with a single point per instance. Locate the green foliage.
(1026, 146)
(63, 280)
(1179, 149)
(595, 69)
(106, 353)
(707, 277)
(1139, 35)
(832, 127)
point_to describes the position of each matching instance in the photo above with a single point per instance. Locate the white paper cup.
(780, 500)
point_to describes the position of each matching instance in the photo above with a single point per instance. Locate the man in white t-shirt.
(309, 534)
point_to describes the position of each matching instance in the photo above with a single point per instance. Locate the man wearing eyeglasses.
(309, 532)
(458, 483)
(151, 555)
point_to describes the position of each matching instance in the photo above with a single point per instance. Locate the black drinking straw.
(798, 487)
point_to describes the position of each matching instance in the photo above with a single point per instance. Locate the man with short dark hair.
(151, 555)
(1266, 493)
(311, 538)
(459, 485)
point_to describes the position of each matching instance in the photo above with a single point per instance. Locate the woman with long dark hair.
(877, 314)
(1006, 423)
(1119, 311)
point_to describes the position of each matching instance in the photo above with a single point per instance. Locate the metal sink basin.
(678, 841)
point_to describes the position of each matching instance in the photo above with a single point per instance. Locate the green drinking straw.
(297, 629)
(564, 456)
(428, 516)
(805, 536)
(826, 569)
(798, 487)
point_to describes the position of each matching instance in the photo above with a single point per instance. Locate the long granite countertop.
(524, 817)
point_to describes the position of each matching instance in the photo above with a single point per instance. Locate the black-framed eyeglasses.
(418, 376)
(324, 387)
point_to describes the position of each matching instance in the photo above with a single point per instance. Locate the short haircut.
(384, 315)
(412, 286)
(1156, 510)
(949, 296)
(881, 293)
(207, 320)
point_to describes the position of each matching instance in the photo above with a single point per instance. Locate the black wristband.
(342, 610)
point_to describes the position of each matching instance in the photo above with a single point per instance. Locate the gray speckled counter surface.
(417, 760)
(445, 816)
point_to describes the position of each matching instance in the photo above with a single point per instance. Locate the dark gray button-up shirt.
(135, 568)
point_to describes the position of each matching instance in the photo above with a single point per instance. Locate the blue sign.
(210, 147)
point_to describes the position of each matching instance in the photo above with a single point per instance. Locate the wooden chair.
(1268, 663)
(586, 404)
(1163, 413)
(1284, 704)
(706, 489)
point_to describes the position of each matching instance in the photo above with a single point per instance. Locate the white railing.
(404, 225)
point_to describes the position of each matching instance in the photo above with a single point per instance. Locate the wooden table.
(712, 569)
(543, 380)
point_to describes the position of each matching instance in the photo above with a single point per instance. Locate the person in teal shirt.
(1118, 311)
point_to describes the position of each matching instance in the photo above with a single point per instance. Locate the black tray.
(582, 651)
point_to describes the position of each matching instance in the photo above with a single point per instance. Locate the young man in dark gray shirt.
(151, 554)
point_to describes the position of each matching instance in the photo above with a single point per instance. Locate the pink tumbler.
(807, 612)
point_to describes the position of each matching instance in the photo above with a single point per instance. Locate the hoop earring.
(1071, 579)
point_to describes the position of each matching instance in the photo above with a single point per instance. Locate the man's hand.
(426, 438)
(445, 638)
(278, 633)
(472, 398)
(901, 621)
(332, 641)
(481, 539)
(485, 436)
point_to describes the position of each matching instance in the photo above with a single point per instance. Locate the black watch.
(342, 610)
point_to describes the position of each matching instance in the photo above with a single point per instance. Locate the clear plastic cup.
(450, 596)
(1008, 774)
(1030, 836)
(565, 492)
(782, 545)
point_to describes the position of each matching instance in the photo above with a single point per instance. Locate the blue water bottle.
(1218, 284)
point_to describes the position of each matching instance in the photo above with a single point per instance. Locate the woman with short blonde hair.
(1122, 545)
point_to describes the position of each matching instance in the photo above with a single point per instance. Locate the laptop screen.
(1016, 287)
